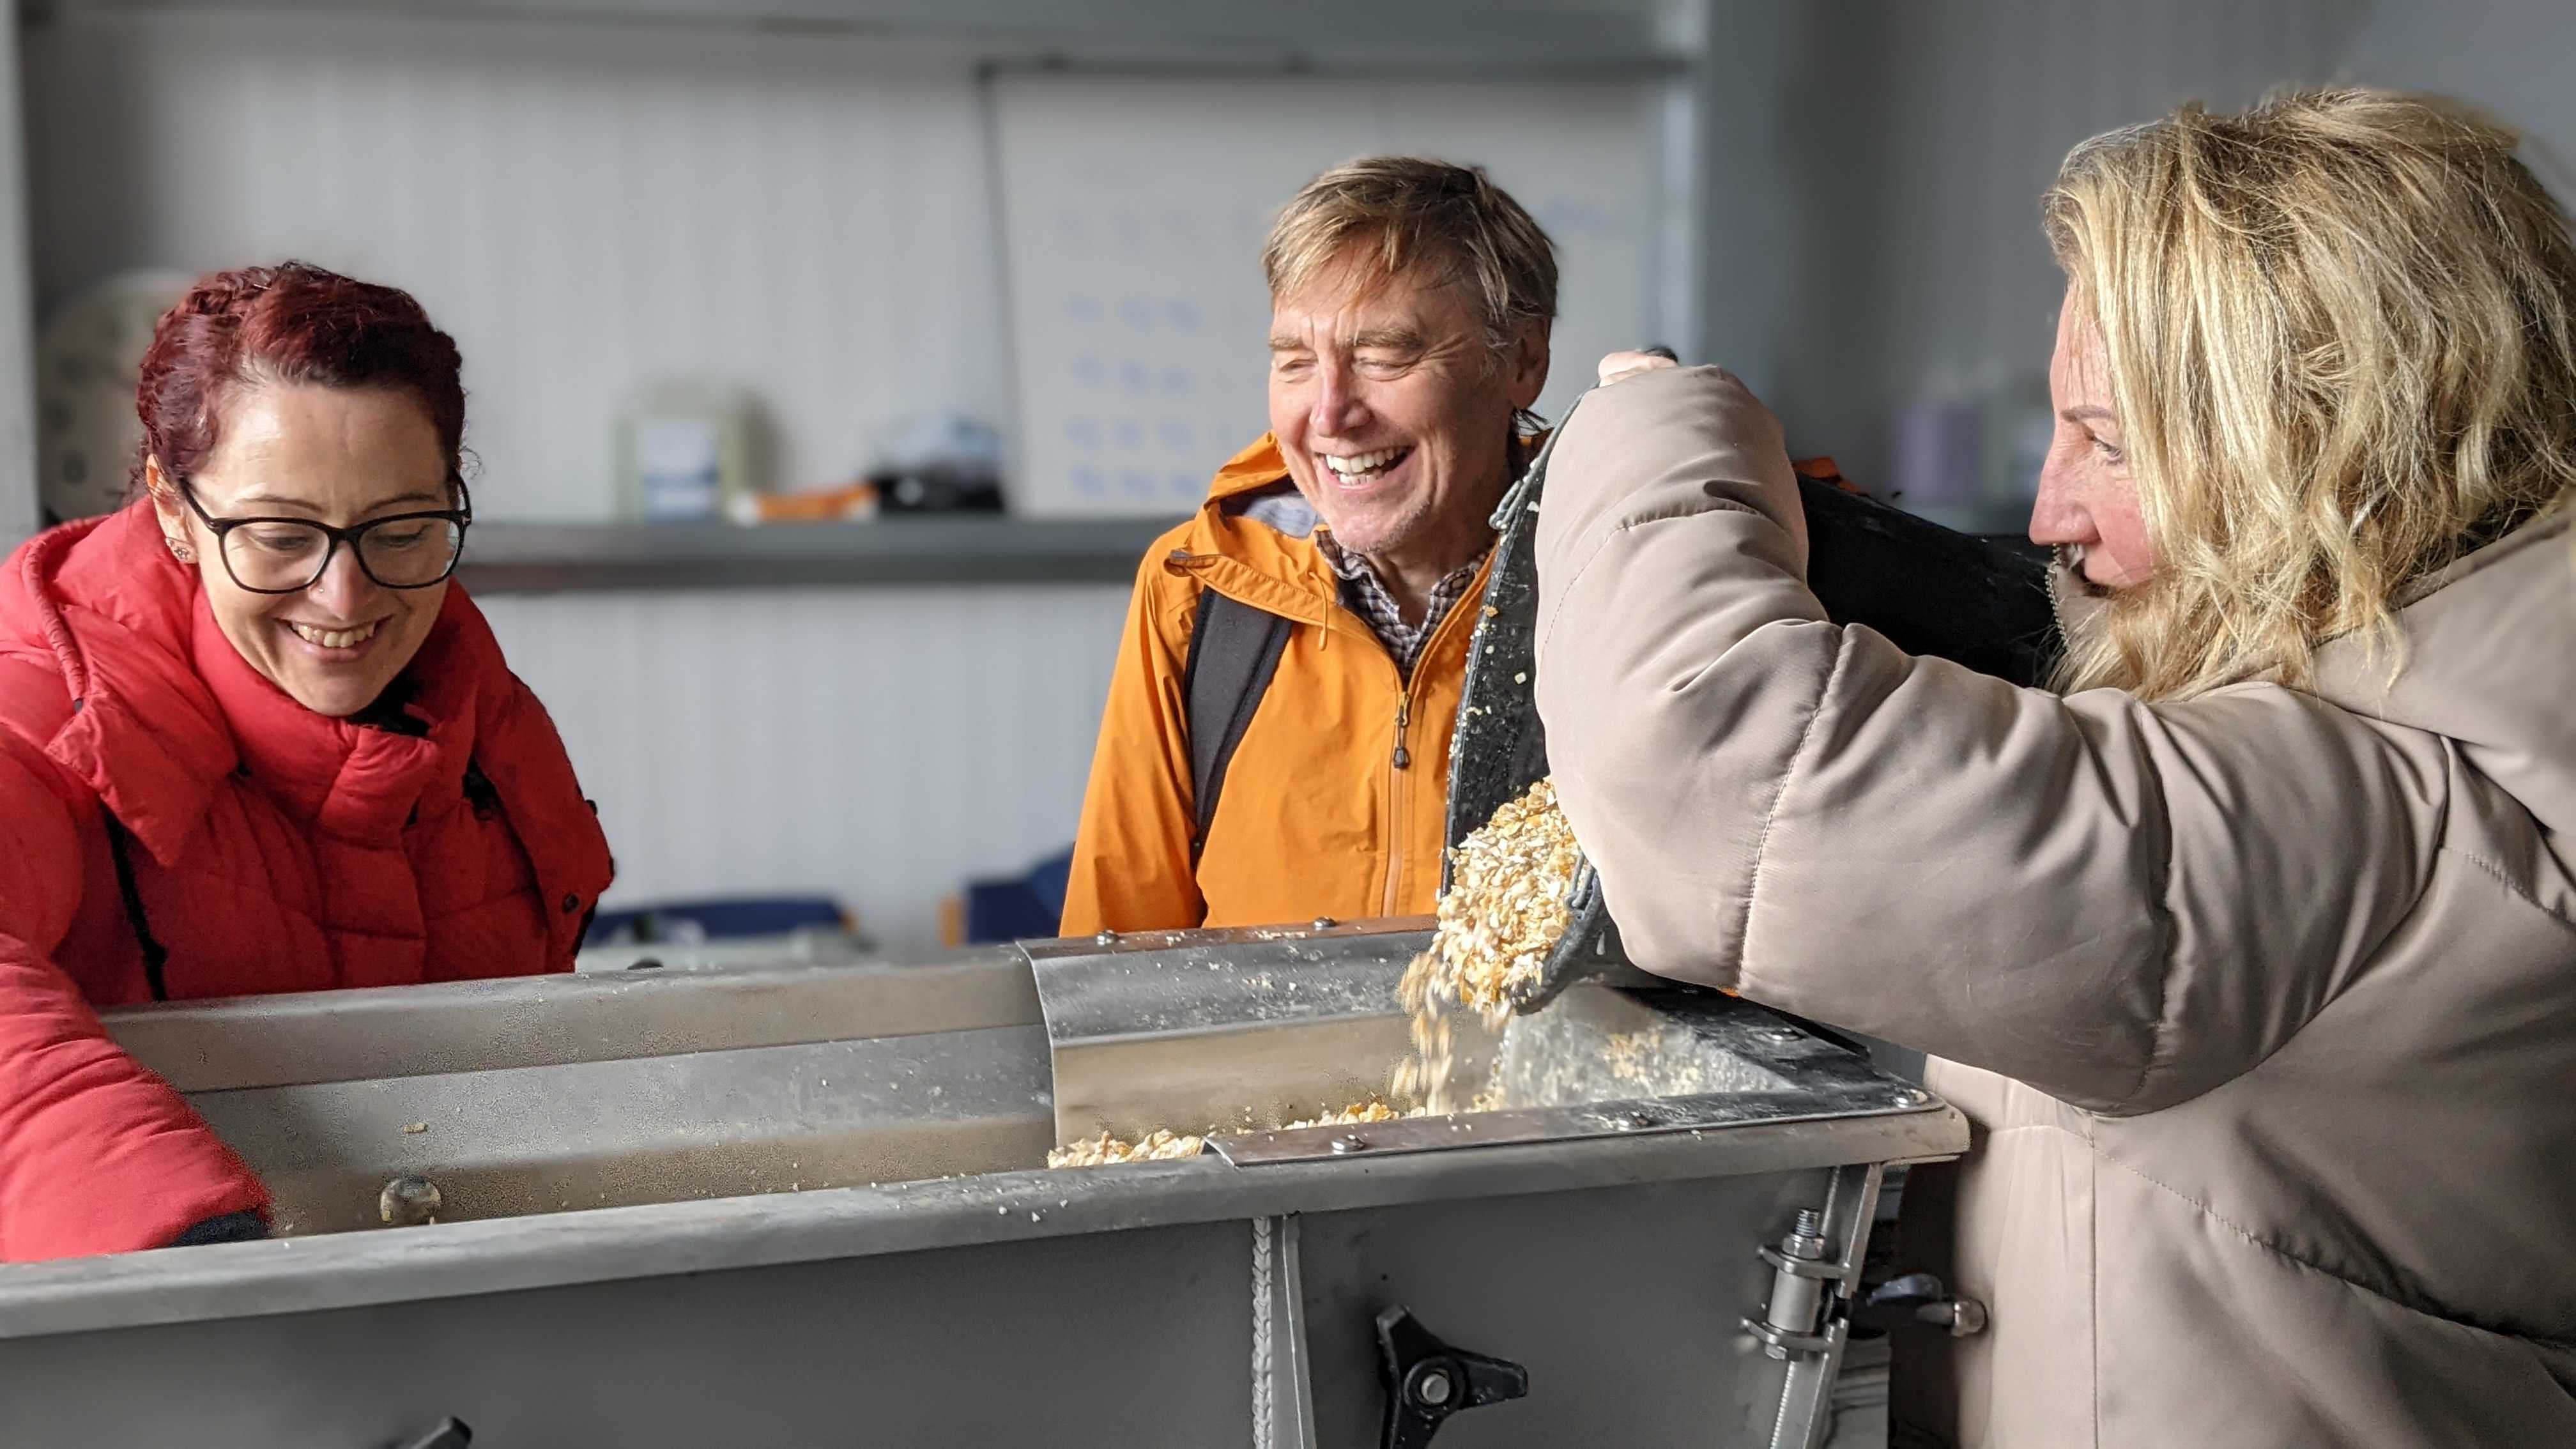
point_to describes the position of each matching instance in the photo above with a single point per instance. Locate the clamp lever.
(1427, 1380)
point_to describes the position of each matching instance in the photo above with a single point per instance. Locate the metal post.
(19, 513)
(1680, 246)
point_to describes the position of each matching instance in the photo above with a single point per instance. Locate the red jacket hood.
(155, 707)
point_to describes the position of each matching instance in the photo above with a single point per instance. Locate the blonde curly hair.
(2339, 334)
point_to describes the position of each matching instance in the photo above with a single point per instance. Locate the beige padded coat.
(2263, 1004)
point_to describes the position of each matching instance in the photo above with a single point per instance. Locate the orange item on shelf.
(818, 505)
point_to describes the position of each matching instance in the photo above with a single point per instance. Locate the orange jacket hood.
(1336, 800)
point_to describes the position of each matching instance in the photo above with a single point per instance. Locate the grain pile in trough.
(1163, 1144)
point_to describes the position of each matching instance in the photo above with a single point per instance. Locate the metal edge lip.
(557, 1250)
(560, 1018)
(1527, 1126)
(1122, 942)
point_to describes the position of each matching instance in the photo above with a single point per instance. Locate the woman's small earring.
(181, 551)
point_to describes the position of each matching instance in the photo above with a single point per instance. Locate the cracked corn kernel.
(1103, 1149)
(1165, 1144)
(1500, 919)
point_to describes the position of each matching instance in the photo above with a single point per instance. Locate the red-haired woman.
(253, 740)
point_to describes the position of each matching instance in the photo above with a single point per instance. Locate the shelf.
(1617, 37)
(542, 558)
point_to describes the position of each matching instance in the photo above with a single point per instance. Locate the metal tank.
(806, 1204)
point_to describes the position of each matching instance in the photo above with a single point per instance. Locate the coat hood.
(2490, 663)
(2490, 659)
(155, 708)
(1254, 539)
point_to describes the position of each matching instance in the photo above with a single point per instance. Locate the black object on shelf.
(931, 490)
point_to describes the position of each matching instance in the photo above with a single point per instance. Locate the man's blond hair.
(1394, 214)
(2339, 338)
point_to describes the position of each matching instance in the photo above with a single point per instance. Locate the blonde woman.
(2252, 954)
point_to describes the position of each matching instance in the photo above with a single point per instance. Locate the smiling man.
(1276, 745)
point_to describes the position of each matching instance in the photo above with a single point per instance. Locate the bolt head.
(409, 1202)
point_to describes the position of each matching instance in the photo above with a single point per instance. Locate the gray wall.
(1897, 182)
(17, 326)
(1868, 171)
(2510, 56)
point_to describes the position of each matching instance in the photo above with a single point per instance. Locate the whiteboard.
(1133, 211)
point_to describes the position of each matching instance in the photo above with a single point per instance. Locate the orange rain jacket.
(1317, 817)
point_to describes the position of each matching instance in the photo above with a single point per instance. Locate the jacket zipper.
(1399, 791)
(1400, 761)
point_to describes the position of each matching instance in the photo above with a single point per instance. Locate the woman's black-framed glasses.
(289, 555)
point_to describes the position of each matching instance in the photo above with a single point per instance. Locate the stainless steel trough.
(806, 1204)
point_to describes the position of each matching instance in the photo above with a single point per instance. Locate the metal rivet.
(1325, 923)
(408, 1202)
(1344, 1146)
(1637, 1119)
(1914, 1096)
(1106, 938)
(647, 963)
(1433, 1388)
(571, 904)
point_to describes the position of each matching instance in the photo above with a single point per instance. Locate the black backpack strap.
(1234, 651)
(155, 956)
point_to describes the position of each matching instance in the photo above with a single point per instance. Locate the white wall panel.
(1134, 211)
(878, 744)
(587, 209)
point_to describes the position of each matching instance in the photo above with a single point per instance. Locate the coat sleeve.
(2122, 905)
(1131, 856)
(97, 1155)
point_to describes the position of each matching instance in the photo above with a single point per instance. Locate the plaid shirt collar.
(1366, 595)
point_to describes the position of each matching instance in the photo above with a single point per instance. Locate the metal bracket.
(1804, 1314)
(1427, 1380)
(1805, 1319)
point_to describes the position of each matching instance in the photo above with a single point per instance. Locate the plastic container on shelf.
(687, 451)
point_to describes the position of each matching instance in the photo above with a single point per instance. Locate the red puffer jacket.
(269, 848)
